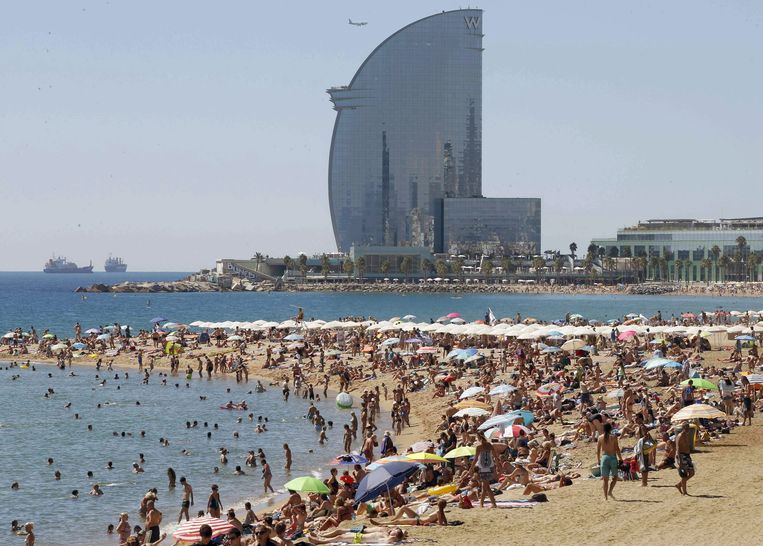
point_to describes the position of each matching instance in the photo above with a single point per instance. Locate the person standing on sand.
(608, 463)
(683, 453)
(484, 462)
(187, 501)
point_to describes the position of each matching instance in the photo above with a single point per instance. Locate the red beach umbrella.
(453, 315)
(188, 531)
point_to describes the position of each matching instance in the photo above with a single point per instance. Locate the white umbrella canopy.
(502, 389)
(471, 391)
(573, 345)
(698, 411)
(287, 324)
(471, 412)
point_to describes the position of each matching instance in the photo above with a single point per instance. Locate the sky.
(175, 133)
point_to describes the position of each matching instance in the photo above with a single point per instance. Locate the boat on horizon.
(59, 264)
(115, 265)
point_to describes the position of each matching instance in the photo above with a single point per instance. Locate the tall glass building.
(408, 133)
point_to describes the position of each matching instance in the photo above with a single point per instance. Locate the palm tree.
(426, 266)
(441, 268)
(360, 266)
(558, 263)
(487, 267)
(303, 265)
(384, 266)
(724, 262)
(288, 262)
(752, 263)
(654, 264)
(538, 264)
(573, 249)
(715, 252)
(663, 268)
(458, 267)
(325, 266)
(609, 263)
(678, 264)
(707, 265)
(348, 267)
(405, 266)
(640, 263)
(741, 254)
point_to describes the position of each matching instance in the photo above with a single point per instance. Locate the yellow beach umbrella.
(463, 451)
(426, 457)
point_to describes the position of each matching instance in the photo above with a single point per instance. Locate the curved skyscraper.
(408, 133)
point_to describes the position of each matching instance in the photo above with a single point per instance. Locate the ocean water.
(33, 428)
(48, 301)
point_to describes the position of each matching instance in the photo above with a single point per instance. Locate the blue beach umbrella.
(78, 345)
(658, 362)
(104, 337)
(294, 337)
(526, 415)
(158, 319)
(745, 338)
(380, 481)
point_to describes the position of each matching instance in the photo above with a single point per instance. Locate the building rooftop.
(687, 224)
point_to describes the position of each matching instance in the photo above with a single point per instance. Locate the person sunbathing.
(366, 535)
(537, 487)
(407, 516)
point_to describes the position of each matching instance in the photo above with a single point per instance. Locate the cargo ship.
(115, 265)
(62, 265)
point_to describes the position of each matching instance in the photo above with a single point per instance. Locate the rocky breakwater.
(151, 287)
(652, 289)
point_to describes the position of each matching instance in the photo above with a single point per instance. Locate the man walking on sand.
(608, 463)
(683, 458)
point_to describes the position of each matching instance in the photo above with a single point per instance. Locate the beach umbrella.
(472, 404)
(382, 479)
(463, 451)
(158, 319)
(235, 338)
(188, 531)
(658, 362)
(294, 337)
(745, 338)
(104, 337)
(515, 431)
(59, 347)
(93, 331)
(474, 358)
(526, 415)
(573, 344)
(452, 315)
(387, 460)
(454, 353)
(425, 457)
(502, 389)
(471, 412)
(499, 420)
(700, 383)
(755, 379)
(48, 336)
(79, 345)
(170, 325)
(471, 391)
(698, 411)
(409, 317)
(307, 484)
(550, 388)
(348, 459)
(390, 341)
(626, 335)
(413, 340)
(9, 335)
(550, 350)
(426, 350)
(457, 320)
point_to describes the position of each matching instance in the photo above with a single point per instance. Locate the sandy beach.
(723, 493)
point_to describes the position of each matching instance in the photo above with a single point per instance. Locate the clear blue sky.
(176, 132)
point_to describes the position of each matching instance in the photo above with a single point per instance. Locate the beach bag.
(539, 497)
(596, 471)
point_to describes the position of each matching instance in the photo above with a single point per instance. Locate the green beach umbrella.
(307, 484)
(700, 383)
(463, 451)
(48, 336)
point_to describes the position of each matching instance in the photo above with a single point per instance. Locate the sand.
(724, 505)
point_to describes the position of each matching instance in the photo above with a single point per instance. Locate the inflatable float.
(344, 400)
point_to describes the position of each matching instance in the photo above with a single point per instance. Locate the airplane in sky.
(359, 24)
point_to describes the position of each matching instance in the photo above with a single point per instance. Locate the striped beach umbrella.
(188, 531)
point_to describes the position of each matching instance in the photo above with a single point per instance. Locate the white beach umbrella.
(471, 412)
(471, 391)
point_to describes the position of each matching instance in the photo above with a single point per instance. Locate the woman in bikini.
(407, 516)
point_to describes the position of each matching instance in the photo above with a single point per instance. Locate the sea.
(34, 427)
